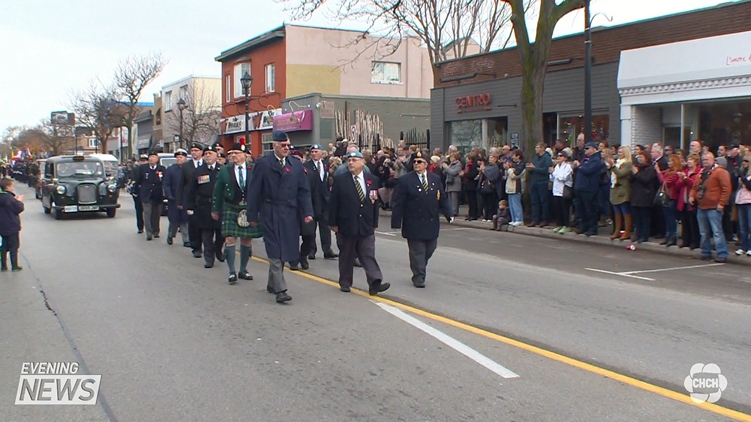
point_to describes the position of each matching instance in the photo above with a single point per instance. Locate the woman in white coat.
(563, 182)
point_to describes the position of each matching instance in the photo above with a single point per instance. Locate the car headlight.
(112, 188)
(60, 190)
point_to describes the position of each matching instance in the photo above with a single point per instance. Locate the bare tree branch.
(200, 118)
(98, 108)
(132, 75)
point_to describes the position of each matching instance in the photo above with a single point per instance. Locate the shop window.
(571, 126)
(267, 143)
(497, 132)
(466, 134)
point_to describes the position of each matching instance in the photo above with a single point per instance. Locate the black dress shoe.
(382, 287)
(220, 256)
(312, 256)
(345, 289)
(304, 263)
(17, 269)
(232, 279)
(245, 275)
(156, 236)
(331, 255)
(270, 290)
(419, 284)
(140, 231)
(169, 241)
(149, 237)
(207, 265)
(282, 297)
(294, 266)
(186, 244)
(197, 254)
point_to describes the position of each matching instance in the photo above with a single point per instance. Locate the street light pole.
(181, 107)
(587, 73)
(246, 80)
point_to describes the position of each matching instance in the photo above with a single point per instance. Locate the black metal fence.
(411, 137)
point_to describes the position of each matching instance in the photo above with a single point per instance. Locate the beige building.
(195, 119)
(339, 62)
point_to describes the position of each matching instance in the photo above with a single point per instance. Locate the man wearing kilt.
(230, 202)
(198, 203)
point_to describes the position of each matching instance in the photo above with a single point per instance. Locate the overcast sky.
(50, 48)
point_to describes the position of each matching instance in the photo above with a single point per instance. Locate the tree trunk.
(533, 80)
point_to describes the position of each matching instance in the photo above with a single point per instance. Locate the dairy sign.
(236, 124)
(470, 103)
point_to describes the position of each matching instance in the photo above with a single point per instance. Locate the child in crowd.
(502, 216)
(11, 206)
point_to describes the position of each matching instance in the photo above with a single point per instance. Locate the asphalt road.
(174, 342)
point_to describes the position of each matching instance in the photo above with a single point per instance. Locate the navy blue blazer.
(417, 211)
(352, 216)
(149, 182)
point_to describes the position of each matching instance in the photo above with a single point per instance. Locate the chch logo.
(705, 383)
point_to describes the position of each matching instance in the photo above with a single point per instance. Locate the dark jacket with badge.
(280, 196)
(149, 183)
(351, 216)
(323, 192)
(10, 208)
(200, 195)
(417, 212)
(187, 170)
(227, 188)
(317, 199)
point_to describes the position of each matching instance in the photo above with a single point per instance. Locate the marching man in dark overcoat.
(417, 203)
(353, 216)
(198, 204)
(150, 190)
(177, 216)
(231, 203)
(278, 196)
(181, 197)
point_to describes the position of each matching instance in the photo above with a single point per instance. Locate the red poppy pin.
(287, 168)
(368, 182)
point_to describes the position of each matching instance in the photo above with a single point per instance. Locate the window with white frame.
(183, 92)
(240, 70)
(227, 88)
(168, 101)
(386, 73)
(270, 77)
(92, 143)
(267, 143)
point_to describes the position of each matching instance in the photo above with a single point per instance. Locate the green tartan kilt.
(230, 227)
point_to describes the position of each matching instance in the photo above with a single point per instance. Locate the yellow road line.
(683, 398)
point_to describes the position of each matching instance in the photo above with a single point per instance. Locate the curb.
(597, 240)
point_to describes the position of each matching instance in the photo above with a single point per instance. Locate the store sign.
(267, 119)
(235, 124)
(471, 103)
(297, 120)
(736, 60)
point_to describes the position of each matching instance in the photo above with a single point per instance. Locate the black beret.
(279, 136)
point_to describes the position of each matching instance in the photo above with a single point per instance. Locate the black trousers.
(420, 252)
(324, 232)
(213, 243)
(690, 225)
(591, 210)
(194, 233)
(562, 211)
(139, 213)
(472, 202)
(642, 217)
(11, 243)
(489, 205)
(364, 248)
(308, 245)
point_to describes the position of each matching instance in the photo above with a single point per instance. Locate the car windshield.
(72, 169)
(110, 168)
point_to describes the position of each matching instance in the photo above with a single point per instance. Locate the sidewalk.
(602, 239)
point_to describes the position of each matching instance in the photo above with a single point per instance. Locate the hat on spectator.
(354, 154)
(181, 152)
(567, 152)
(315, 146)
(731, 146)
(590, 145)
(279, 136)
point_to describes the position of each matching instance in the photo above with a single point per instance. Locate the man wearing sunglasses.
(416, 207)
(278, 198)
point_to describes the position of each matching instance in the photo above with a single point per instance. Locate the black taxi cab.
(76, 183)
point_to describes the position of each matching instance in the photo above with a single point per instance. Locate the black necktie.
(359, 189)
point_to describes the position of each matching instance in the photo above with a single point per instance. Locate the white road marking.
(387, 233)
(456, 229)
(620, 274)
(673, 268)
(450, 341)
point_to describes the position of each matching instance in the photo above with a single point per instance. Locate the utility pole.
(587, 73)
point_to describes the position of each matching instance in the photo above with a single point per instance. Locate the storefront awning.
(707, 68)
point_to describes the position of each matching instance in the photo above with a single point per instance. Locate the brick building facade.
(499, 74)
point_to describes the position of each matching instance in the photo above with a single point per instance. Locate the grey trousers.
(172, 231)
(454, 200)
(152, 214)
(276, 276)
(362, 247)
(420, 252)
